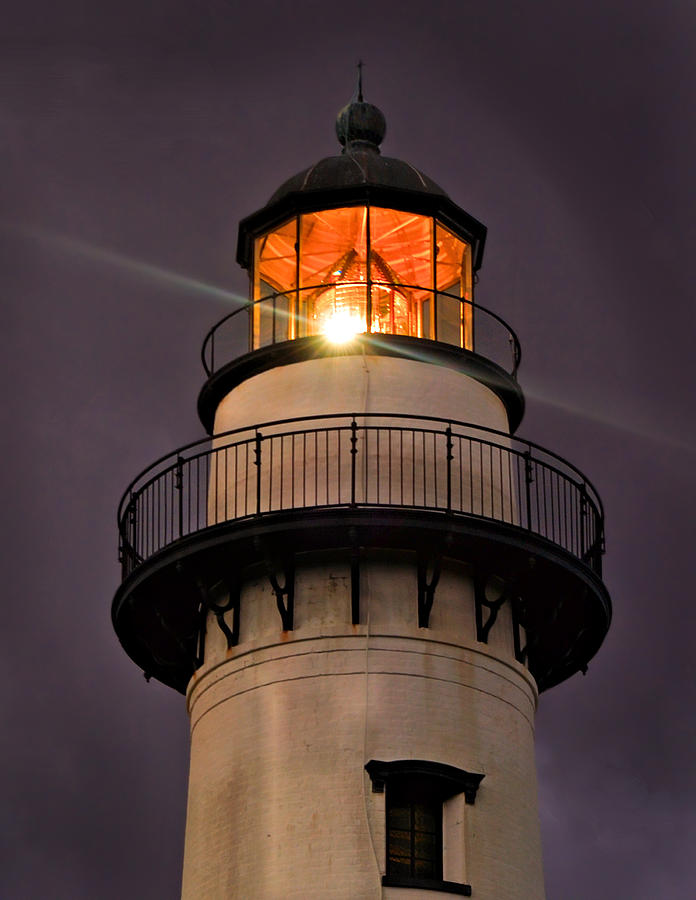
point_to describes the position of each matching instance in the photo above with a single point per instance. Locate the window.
(414, 829)
(416, 791)
(361, 269)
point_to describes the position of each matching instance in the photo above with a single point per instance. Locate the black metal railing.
(280, 319)
(356, 461)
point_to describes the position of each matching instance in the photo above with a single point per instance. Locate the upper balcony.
(338, 280)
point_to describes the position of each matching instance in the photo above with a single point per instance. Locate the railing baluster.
(282, 470)
(326, 466)
(179, 487)
(448, 433)
(401, 464)
(583, 520)
(353, 455)
(292, 466)
(528, 478)
(257, 462)
(304, 468)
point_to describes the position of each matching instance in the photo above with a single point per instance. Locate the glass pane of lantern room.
(333, 272)
(275, 278)
(453, 274)
(400, 254)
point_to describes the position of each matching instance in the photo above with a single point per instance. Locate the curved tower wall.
(316, 470)
(283, 723)
(360, 383)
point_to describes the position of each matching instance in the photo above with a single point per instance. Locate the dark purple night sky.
(135, 135)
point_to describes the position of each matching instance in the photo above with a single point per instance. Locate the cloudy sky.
(134, 136)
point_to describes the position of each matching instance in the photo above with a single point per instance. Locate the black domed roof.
(360, 128)
(358, 166)
(359, 175)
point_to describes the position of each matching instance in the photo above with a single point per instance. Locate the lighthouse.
(362, 578)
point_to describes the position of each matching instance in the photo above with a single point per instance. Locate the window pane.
(400, 843)
(263, 323)
(333, 272)
(414, 829)
(283, 308)
(454, 275)
(275, 270)
(400, 817)
(276, 260)
(401, 254)
(401, 247)
(393, 311)
(425, 844)
(450, 261)
(427, 869)
(400, 867)
(426, 326)
(425, 818)
(449, 325)
(331, 242)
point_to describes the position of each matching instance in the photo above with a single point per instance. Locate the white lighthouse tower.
(362, 579)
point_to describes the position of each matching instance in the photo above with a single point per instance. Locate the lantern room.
(361, 269)
(361, 244)
(361, 252)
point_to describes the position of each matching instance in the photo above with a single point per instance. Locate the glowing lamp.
(339, 312)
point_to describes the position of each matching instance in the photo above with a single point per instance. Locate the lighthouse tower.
(362, 579)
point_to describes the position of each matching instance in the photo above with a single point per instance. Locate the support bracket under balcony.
(285, 592)
(521, 652)
(233, 605)
(426, 587)
(482, 603)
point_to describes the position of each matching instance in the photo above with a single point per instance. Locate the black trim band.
(450, 780)
(562, 604)
(427, 884)
(429, 204)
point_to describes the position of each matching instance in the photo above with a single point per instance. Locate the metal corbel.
(482, 602)
(521, 652)
(176, 640)
(285, 593)
(426, 589)
(569, 655)
(200, 637)
(232, 605)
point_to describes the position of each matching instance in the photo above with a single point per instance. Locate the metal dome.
(360, 128)
(360, 174)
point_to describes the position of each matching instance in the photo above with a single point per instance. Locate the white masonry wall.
(361, 383)
(392, 467)
(282, 725)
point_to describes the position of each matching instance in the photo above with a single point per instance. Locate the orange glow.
(391, 311)
(313, 270)
(339, 312)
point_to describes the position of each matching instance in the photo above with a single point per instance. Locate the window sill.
(427, 884)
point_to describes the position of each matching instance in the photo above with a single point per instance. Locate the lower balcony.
(344, 482)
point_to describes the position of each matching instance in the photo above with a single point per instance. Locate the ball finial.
(360, 123)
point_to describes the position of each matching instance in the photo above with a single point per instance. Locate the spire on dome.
(360, 125)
